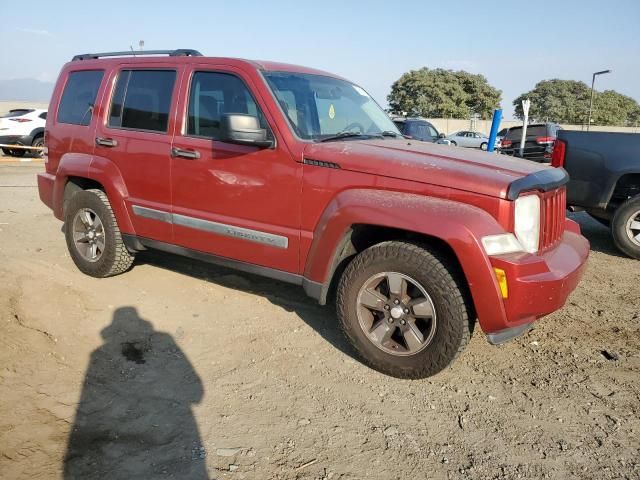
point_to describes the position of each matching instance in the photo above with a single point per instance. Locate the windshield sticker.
(360, 91)
(332, 112)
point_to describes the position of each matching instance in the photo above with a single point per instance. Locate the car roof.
(263, 65)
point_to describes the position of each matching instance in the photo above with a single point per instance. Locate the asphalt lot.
(178, 369)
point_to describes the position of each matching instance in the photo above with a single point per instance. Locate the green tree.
(567, 101)
(443, 93)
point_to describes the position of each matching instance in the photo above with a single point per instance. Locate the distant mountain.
(25, 90)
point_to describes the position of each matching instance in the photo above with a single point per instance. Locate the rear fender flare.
(98, 169)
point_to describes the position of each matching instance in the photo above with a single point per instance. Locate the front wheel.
(454, 143)
(13, 152)
(93, 237)
(625, 227)
(403, 309)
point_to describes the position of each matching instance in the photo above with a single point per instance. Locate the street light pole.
(593, 81)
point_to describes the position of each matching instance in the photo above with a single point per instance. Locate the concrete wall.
(448, 126)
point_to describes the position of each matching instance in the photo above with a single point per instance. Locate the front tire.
(13, 152)
(93, 237)
(454, 143)
(625, 227)
(404, 310)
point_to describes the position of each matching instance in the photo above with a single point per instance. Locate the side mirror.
(243, 129)
(442, 135)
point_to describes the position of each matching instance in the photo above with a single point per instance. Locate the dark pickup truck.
(604, 168)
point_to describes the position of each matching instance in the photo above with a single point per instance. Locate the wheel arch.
(82, 172)
(358, 219)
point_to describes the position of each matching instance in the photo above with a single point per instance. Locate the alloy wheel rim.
(88, 234)
(396, 313)
(633, 228)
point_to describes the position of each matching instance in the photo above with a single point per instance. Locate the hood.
(455, 167)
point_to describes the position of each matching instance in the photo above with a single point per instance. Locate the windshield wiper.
(341, 135)
(389, 133)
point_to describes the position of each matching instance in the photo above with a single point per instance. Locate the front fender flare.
(460, 225)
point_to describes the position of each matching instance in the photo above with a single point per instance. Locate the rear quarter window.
(79, 97)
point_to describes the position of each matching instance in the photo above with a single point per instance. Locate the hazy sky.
(371, 42)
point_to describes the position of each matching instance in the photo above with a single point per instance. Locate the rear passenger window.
(142, 100)
(214, 94)
(79, 97)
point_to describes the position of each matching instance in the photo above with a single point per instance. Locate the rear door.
(136, 136)
(236, 201)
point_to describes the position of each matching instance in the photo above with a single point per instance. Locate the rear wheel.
(625, 227)
(37, 142)
(403, 310)
(483, 146)
(93, 237)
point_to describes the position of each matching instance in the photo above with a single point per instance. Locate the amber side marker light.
(502, 281)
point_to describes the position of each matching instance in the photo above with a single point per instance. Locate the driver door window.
(212, 95)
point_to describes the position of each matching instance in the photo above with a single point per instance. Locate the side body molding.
(460, 225)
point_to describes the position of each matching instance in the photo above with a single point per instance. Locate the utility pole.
(593, 81)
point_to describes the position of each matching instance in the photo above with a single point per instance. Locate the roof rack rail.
(180, 52)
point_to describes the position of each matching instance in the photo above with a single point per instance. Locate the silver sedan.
(469, 139)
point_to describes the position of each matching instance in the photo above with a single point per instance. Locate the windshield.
(319, 107)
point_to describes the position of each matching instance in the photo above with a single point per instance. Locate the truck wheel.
(625, 227)
(403, 311)
(93, 237)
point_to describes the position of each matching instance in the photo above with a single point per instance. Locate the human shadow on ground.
(135, 419)
(287, 296)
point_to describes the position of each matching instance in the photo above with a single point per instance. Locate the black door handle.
(182, 153)
(106, 142)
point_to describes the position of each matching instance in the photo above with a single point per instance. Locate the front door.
(236, 201)
(136, 137)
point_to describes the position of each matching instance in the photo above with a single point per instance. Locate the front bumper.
(539, 284)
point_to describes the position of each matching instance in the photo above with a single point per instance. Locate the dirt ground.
(178, 369)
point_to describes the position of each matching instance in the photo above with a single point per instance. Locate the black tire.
(18, 152)
(438, 276)
(454, 143)
(37, 142)
(483, 146)
(627, 212)
(115, 258)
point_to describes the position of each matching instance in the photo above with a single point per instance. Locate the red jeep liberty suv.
(299, 175)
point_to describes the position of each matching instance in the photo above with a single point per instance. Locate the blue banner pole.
(495, 125)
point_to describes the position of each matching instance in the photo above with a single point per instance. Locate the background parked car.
(469, 139)
(418, 129)
(22, 126)
(538, 146)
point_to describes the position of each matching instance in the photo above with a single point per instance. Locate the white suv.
(23, 126)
